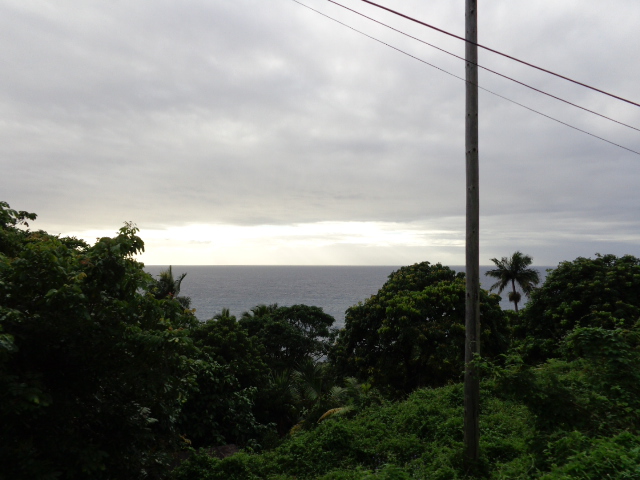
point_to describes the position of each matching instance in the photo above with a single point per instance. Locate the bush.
(577, 456)
(601, 292)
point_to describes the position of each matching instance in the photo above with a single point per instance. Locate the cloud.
(246, 114)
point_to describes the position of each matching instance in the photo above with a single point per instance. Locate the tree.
(600, 292)
(229, 387)
(314, 391)
(514, 270)
(11, 236)
(166, 286)
(93, 369)
(412, 332)
(219, 409)
(290, 335)
(257, 312)
(292, 338)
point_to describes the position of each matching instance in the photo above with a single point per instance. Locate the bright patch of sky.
(364, 243)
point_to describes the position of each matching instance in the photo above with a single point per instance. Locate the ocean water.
(334, 288)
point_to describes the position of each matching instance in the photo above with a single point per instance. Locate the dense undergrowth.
(560, 420)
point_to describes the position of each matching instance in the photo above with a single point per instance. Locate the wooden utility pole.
(472, 307)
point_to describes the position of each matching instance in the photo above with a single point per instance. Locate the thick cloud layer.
(248, 114)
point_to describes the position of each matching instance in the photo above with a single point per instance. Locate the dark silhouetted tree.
(511, 271)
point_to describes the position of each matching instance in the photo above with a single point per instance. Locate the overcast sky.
(260, 132)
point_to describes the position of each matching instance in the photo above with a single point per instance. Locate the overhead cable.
(497, 52)
(464, 80)
(485, 68)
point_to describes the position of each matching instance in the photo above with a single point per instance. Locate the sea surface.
(334, 288)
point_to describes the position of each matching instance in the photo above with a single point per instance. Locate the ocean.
(334, 288)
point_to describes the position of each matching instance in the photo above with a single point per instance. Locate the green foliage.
(575, 416)
(312, 391)
(290, 335)
(581, 457)
(231, 377)
(105, 374)
(316, 396)
(11, 237)
(218, 410)
(92, 370)
(420, 437)
(201, 466)
(594, 393)
(228, 343)
(600, 292)
(271, 352)
(411, 333)
(414, 278)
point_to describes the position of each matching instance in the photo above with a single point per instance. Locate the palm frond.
(336, 393)
(335, 411)
(296, 428)
(225, 313)
(514, 270)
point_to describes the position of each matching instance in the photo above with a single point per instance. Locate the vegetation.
(587, 292)
(92, 369)
(575, 417)
(106, 373)
(514, 270)
(290, 335)
(166, 286)
(411, 333)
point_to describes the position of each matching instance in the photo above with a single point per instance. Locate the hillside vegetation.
(105, 373)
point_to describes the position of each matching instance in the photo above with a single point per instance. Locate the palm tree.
(169, 287)
(514, 270)
(259, 311)
(225, 314)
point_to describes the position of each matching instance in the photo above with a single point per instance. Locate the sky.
(250, 132)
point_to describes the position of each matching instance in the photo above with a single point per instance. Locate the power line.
(485, 68)
(499, 53)
(464, 80)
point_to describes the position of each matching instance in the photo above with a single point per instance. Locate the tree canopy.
(79, 339)
(290, 335)
(411, 333)
(587, 292)
(99, 377)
